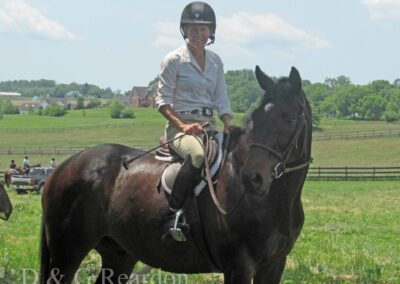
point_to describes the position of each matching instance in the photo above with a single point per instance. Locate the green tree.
(116, 108)
(93, 103)
(60, 91)
(243, 89)
(80, 103)
(94, 92)
(328, 108)
(340, 81)
(316, 94)
(127, 113)
(54, 110)
(380, 87)
(9, 108)
(391, 116)
(372, 107)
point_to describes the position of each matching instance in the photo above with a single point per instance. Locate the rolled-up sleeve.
(167, 81)
(222, 103)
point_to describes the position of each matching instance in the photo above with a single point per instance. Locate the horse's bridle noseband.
(284, 157)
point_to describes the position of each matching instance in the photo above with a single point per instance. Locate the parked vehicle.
(33, 181)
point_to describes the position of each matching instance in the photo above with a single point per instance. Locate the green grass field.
(92, 127)
(351, 235)
(336, 126)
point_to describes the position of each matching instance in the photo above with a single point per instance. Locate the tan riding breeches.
(189, 144)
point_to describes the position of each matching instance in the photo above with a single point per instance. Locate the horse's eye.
(289, 119)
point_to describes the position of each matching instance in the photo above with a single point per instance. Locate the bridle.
(279, 169)
(284, 157)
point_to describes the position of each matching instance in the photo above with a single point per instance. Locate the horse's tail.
(44, 257)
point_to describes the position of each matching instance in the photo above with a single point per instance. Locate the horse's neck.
(240, 151)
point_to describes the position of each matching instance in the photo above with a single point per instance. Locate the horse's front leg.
(240, 270)
(272, 273)
(237, 276)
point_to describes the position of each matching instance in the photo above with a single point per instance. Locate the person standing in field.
(25, 165)
(13, 165)
(53, 163)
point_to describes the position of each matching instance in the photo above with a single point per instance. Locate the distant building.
(44, 103)
(143, 96)
(123, 99)
(73, 93)
(10, 94)
(26, 107)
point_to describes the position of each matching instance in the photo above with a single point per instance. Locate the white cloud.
(18, 17)
(242, 33)
(244, 28)
(168, 35)
(383, 9)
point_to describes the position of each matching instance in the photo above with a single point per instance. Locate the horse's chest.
(276, 243)
(269, 245)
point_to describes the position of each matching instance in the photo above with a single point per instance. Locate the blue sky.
(120, 43)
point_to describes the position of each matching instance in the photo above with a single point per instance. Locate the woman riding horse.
(191, 85)
(92, 202)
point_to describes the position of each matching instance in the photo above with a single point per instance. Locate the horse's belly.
(147, 247)
(137, 226)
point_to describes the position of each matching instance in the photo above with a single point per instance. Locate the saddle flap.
(214, 156)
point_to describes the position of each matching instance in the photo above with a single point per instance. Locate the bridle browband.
(284, 157)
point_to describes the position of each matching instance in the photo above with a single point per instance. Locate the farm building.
(26, 107)
(143, 96)
(9, 94)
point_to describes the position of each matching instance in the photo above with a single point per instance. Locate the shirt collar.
(188, 57)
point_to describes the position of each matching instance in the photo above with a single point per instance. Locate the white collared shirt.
(185, 87)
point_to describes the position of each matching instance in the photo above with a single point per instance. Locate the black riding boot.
(184, 183)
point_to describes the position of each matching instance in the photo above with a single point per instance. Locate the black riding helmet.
(198, 13)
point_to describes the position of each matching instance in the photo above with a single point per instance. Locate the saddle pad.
(169, 174)
(164, 155)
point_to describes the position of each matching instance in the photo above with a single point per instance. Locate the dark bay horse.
(5, 204)
(92, 202)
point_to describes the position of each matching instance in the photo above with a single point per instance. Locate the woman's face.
(198, 35)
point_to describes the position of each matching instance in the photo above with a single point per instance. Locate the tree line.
(50, 88)
(334, 98)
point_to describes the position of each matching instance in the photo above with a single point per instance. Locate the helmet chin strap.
(211, 41)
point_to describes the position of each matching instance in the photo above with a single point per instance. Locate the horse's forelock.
(278, 93)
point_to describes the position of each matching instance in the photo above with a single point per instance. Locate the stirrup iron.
(175, 231)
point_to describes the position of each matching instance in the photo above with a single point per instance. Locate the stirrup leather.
(175, 231)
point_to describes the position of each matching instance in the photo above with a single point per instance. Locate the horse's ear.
(295, 81)
(264, 81)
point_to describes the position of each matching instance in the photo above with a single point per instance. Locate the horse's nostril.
(256, 180)
(253, 181)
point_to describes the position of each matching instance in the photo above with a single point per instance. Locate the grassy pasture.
(91, 127)
(378, 152)
(329, 126)
(351, 235)
(351, 232)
